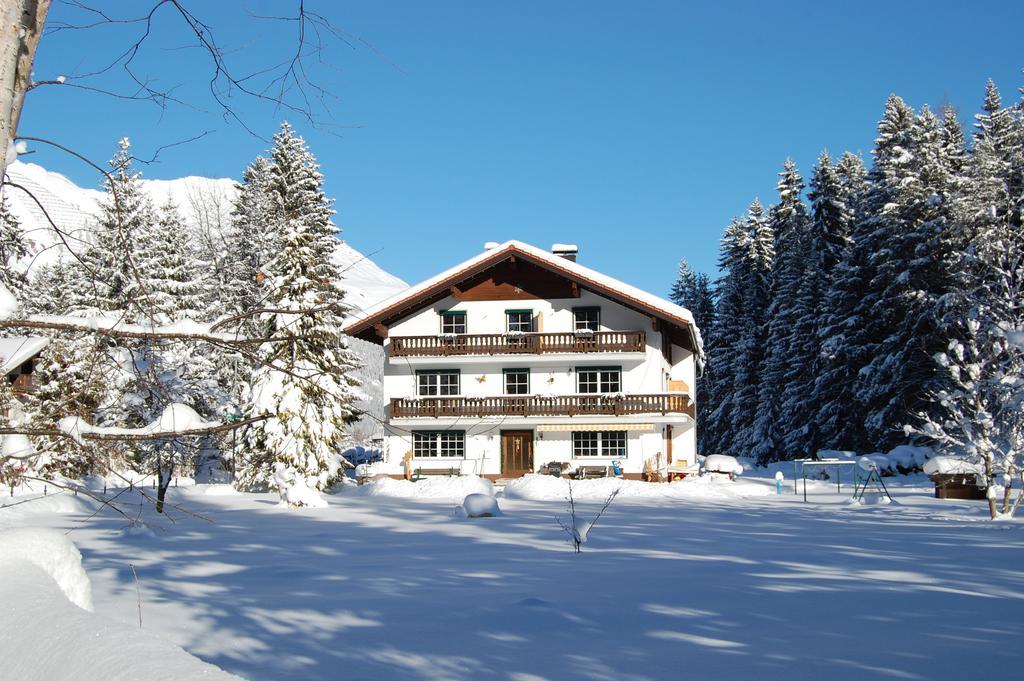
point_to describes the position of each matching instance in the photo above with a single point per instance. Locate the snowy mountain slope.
(201, 201)
(205, 203)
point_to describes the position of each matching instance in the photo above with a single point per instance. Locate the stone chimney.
(567, 251)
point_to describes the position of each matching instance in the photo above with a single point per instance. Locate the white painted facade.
(642, 373)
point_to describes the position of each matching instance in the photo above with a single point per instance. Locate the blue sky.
(636, 130)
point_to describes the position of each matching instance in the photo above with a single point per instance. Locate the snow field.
(372, 587)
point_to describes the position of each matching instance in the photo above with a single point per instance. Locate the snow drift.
(48, 634)
(550, 488)
(431, 488)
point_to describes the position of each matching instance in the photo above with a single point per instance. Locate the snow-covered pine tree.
(51, 287)
(110, 258)
(733, 260)
(682, 288)
(779, 374)
(1000, 134)
(12, 249)
(306, 384)
(839, 335)
(176, 285)
(881, 222)
(916, 266)
(748, 361)
(692, 290)
(253, 240)
(978, 410)
(827, 245)
(72, 379)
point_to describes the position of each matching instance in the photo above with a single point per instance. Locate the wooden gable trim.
(443, 288)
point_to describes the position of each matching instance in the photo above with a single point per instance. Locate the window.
(586, 318)
(519, 321)
(599, 380)
(433, 383)
(453, 322)
(447, 444)
(610, 443)
(585, 444)
(517, 381)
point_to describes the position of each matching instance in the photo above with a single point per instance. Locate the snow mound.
(457, 487)
(908, 457)
(478, 505)
(64, 503)
(44, 636)
(55, 554)
(876, 460)
(220, 490)
(722, 463)
(950, 465)
(549, 488)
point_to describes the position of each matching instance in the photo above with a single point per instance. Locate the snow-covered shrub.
(882, 463)
(908, 458)
(295, 490)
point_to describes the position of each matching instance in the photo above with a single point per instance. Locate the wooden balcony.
(517, 344)
(542, 405)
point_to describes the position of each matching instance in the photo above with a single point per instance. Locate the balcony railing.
(542, 405)
(517, 344)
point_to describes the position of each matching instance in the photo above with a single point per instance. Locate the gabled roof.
(412, 299)
(16, 350)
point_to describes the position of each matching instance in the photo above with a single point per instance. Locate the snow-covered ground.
(696, 580)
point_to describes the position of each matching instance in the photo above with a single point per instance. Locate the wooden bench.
(421, 473)
(584, 472)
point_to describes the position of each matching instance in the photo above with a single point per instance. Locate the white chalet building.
(520, 357)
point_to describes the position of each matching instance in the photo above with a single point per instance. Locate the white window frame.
(516, 372)
(586, 324)
(604, 382)
(605, 444)
(431, 380)
(439, 444)
(449, 316)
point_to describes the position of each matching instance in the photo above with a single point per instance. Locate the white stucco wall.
(642, 373)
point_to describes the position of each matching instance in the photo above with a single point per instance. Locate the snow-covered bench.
(420, 473)
(680, 470)
(584, 472)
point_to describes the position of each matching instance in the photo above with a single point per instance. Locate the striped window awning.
(566, 427)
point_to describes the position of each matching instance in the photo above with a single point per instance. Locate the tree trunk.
(163, 481)
(21, 27)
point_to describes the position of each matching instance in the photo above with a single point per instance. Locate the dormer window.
(453, 322)
(519, 321)
(586, 318)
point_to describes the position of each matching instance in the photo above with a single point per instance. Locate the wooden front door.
(516, 453)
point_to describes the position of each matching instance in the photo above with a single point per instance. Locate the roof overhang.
(678, 327)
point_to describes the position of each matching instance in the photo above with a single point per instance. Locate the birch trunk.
(21, 27)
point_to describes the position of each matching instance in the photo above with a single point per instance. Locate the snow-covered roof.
(16, 350)
(586, 276)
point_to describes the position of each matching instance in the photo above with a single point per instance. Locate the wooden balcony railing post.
(541, 405)
(533, 343)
